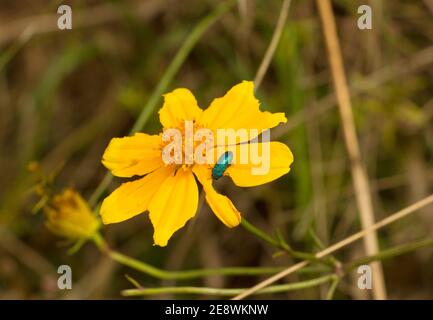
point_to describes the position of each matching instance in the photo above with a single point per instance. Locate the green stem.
(281, 244)
(176, 275)
(187, 274)
(260, 233)
(333, 288)
(228, 292)
(389, 253)
(166, 79)
(99, 241)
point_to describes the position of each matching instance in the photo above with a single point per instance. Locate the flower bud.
(68, 215)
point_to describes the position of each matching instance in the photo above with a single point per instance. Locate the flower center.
(186, 144)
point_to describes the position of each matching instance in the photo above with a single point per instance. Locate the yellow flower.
(169, 192)
(68, 215)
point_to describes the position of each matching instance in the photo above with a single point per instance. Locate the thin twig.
(390, 219)
(359, 174)
(229, 292)
(264, 65)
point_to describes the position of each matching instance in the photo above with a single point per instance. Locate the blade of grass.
(264, 65)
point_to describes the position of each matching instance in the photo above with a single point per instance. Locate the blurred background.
(65, 93)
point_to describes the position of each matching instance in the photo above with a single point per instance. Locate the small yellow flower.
(169, 191)
(68, 215)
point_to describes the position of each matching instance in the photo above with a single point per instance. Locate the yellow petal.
(132, 198)
(239, 109)
(220, 205)
(173, 205)
(179, 105)
(265, 168)
(134, 155)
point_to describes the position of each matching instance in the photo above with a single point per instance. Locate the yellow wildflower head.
(169, 189)
(68, 215)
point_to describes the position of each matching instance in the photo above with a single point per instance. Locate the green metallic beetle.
(222, 164)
